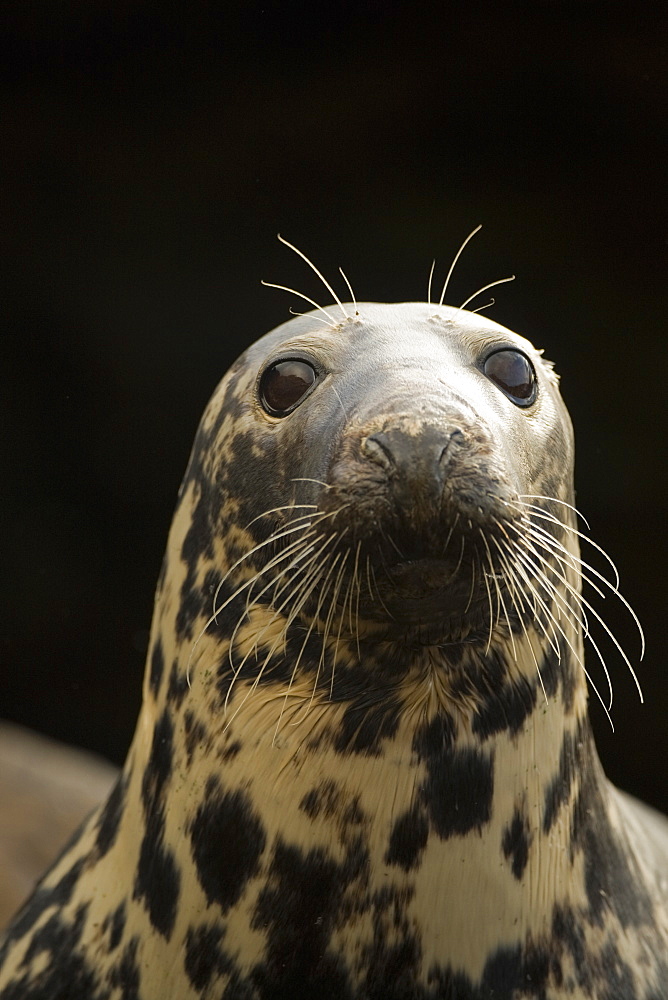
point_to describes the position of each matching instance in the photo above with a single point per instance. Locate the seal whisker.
(263, 666)
(312, 624)
(293, 291)
(380, 599)
(393, 544)
(492, 301)
(285, 553)
(516, 558)
(284, 581)
(517, 598)
(491, 612)
(540, 496)
(285, 506)
(239, 590)
(308, 570)
(571, 592)
(358, 582)
(555, 625)
(521, 608)
(499, 281)
(308, 540)
(274, 537)
(431, 275)
(350, 289)
(554, 548)
(284, 571)
(328, 623)
(319, 319)
(336, 645)
(336, 393)
(318, 273)
(306, 550)
(308, 479)
(500, 596)
(572, 615)
(297, 662)
(299, 593)
(301, 546)
(546, 516)
(472, 588)
(368, 577)
(529, 547)
(610, 634)
(456, 258)
(347, 603)
(584, 568)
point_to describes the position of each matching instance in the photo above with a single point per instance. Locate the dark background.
(149, 157)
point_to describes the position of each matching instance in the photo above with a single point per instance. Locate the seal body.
(363, 766)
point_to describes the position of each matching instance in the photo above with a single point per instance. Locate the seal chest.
(363, 766)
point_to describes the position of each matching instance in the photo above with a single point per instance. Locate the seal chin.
(426, 596)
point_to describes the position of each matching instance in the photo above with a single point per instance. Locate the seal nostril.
(377, 448)
(456, 439)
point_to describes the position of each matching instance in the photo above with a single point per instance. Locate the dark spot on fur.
(435, 737)
(114, 922)
(408, 839)
(509, 973)
(516, 841)
(362, 728)
(157, 667)
(515, 970)
(297, 910)
(332, 802)
(195, 599)
(159, 765)
(157, 881)
(42, 899)
(613, 880)
(393, 959)
(195, 732)
(204, 956)
(505, 709)
(552, 669)
(66, 974)
(324, 798)
(232, 750)
(110, 817)
(458, 791)
(190, 608)
(619, 979)
(558, 791)
(178, 685)
(567, 928)
(353, 814)
(125, 975)
(227, 839)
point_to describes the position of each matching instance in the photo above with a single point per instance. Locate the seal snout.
(402, 454)
(415, 464)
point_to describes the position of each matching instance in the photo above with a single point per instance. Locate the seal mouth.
(420, 576)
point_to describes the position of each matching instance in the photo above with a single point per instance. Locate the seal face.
(363, 766)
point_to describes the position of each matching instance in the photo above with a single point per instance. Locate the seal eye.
(284, 384)
(512, 372)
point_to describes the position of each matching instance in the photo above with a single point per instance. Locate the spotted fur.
(363, 766)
